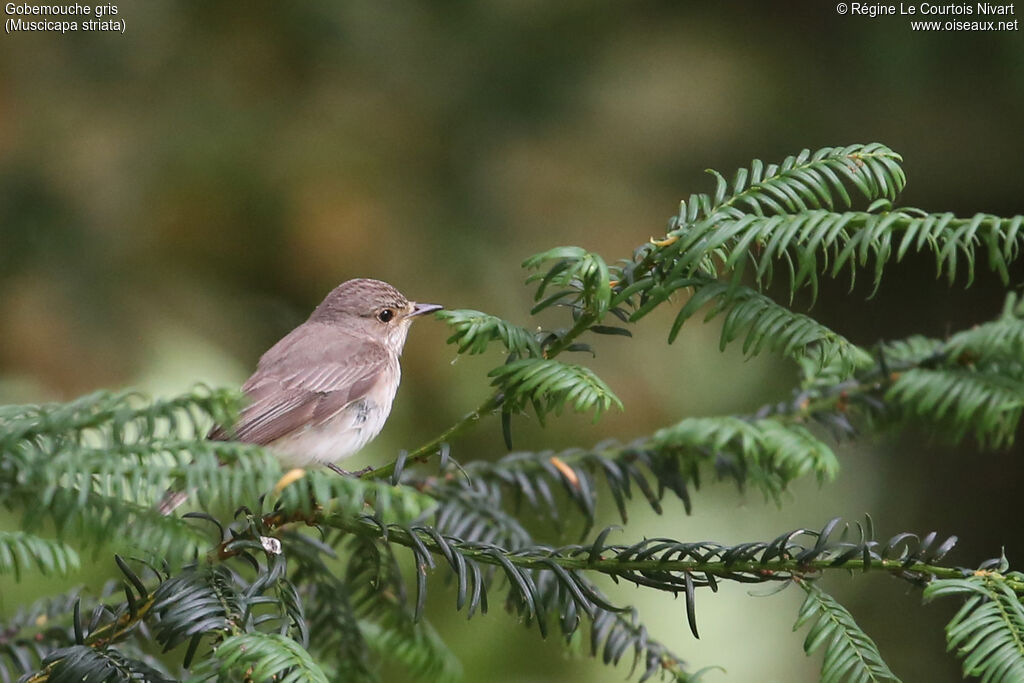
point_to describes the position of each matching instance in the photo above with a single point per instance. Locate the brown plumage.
(325, 390)
(309, 376)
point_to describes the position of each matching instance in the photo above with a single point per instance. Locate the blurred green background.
(175, 199)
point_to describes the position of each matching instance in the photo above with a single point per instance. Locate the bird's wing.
(294, 395)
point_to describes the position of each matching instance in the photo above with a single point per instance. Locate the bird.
(325, 390)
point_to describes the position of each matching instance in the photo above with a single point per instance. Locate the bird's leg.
(346, 473)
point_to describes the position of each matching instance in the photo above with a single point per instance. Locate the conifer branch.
(307, 581)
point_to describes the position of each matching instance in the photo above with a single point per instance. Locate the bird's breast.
(334, 439)
(344, 432)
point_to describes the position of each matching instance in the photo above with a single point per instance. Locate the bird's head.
(371, 309)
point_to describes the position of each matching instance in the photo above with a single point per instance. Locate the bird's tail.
(171, 501)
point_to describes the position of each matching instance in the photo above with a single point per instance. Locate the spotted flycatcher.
(325, 390)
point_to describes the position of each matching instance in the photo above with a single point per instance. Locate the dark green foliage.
(804, 182)
(973, 383)
(538, 597)
(970, 384)
(81, 663)
(767, 326)
(473, 331)
(964, 400)
(416, 646)
(327, 599)
(34, 632)
(56, 631)
(199, 600)
(21, 552)
(850, 655)
(988, 631)
(308, 576)
(615, 634)
(259, 657)
(387, 618)
(586, 273)
(550, 385)
(768, 451)
(999, 341)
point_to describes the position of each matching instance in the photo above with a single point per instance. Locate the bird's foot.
(346, 473)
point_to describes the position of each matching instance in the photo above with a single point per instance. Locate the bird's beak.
(420, 309)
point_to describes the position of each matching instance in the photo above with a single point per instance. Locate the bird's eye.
(386, 315)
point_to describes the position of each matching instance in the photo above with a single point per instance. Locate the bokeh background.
(175, 199)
